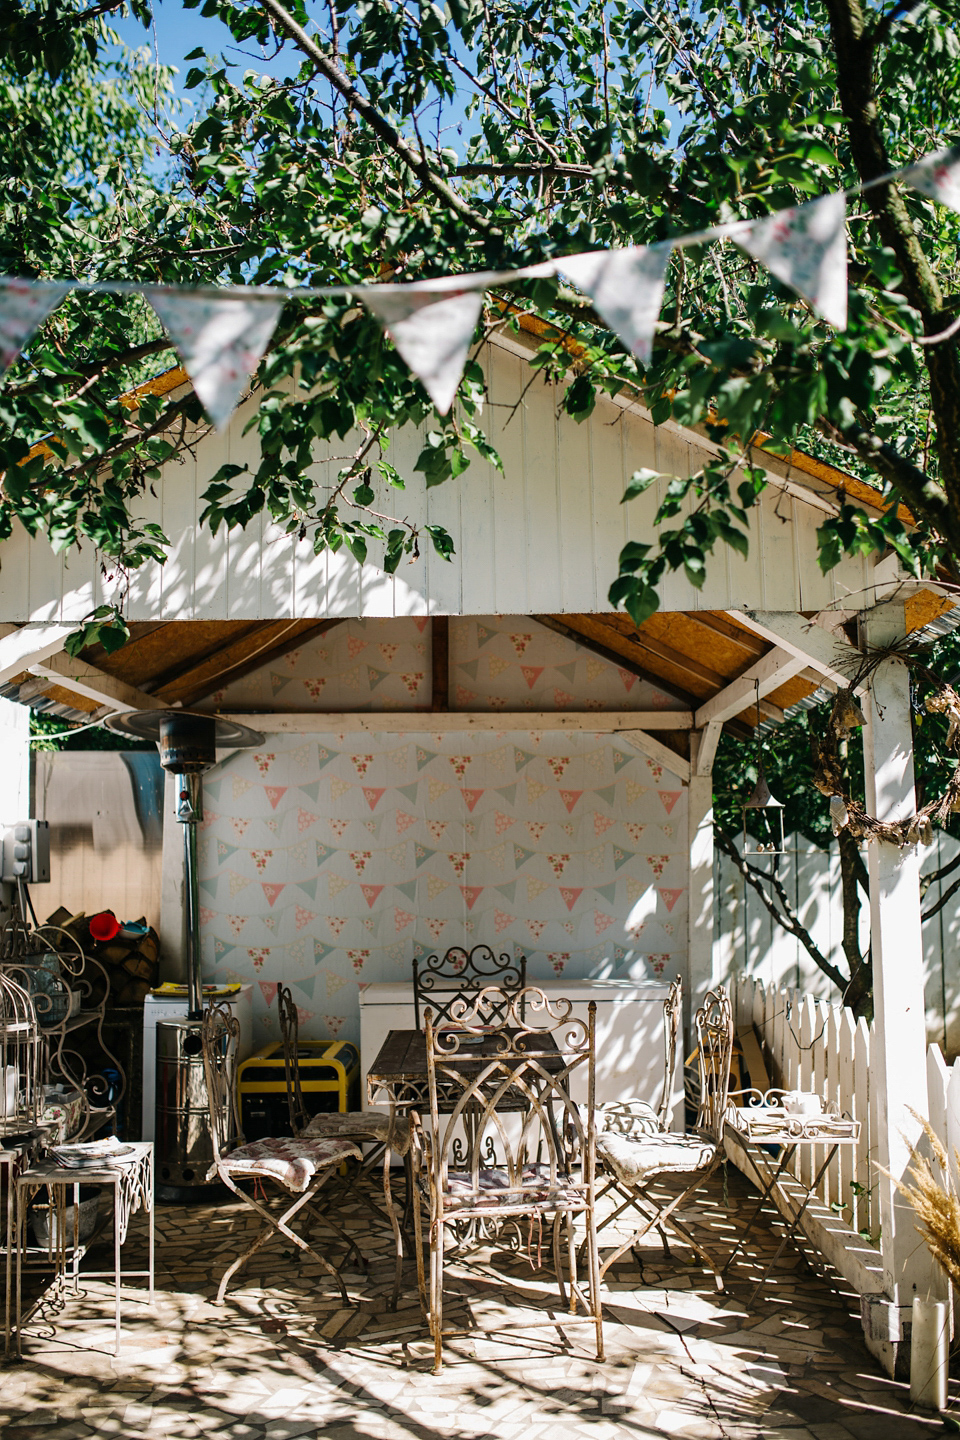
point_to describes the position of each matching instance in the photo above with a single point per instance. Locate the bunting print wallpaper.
(328, 861)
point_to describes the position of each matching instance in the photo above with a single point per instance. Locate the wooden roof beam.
(825, 650)
(250, 652)
(79, 676)
(564, 625)
(766, 674)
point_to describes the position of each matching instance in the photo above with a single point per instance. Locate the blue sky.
(176, 31)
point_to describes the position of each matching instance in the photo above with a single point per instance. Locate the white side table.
(130, 1178)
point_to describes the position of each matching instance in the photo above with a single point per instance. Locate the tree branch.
(947, 895)
(786, 918)
(416, 163)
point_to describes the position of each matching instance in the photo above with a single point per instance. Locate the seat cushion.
(635, 1161)
(293, 1163)
(632, 1119)
(494, 1188)
(371, 1127)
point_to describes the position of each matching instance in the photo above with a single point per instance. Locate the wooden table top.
(401, 1064)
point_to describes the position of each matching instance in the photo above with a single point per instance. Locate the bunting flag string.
(222, 333)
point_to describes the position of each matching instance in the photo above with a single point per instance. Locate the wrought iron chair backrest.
(672, 1011)
(714, 1027)
(511, 1056)
(439, 980)
(21, 1058)
(220, 1040)
(290, 1034)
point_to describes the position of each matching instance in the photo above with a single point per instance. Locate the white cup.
(802, 1103)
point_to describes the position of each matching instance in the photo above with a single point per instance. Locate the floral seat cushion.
(634, 1162)
(294, 1163)
(370, 1127)
(493, 1185)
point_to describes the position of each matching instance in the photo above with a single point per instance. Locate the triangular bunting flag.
(522, 758)
(509, 793)
(509, 892)
(607, 892)
(422, 853)
(570, 798)
(424, 757)
(373, 796)
(24, 305)
(938, 176)
(432, 331)
(471, 893)
(376, 677)
(483, 635)
(471, 797)
(806, 248)
(324, 852)
(607, 793)
(275, 794)
(324, 756)
(221, 340)
(409, 792)
(531, 673)
(321, 951)
(570, 895)
(272, 890)
(277, 683)
(268, 989)
(620, 857)
(370, 893)
(409, 889)
(221, 948)
(567, 671)
(470, 669)
(307, 985)
(619, 760)
(309, 887)
(669, 798)
(626, 287)
(212, 788)
(311, 791)
(521, 856)
(210, 886)
(224, 851)
(669, 897)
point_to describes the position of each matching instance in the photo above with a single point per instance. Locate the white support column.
(701, 970)
(899, 1053)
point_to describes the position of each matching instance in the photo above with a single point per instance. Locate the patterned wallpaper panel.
(328, 862)
(496, 662)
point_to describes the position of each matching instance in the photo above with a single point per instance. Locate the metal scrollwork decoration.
(439, 980)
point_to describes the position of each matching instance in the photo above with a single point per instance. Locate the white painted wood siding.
(543, 536)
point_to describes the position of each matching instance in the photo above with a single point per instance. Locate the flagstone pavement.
(282, 1358)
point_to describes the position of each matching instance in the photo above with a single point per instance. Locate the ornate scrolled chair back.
(220, 1037)
(714, 1027)
(672, 1012)
(511, 1052)
(440, 979)
(290, 1035)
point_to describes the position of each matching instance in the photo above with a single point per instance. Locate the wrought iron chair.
(509, 1058)
(636, 1151)
(298, 1166)
(440, 980)
(370, 1127)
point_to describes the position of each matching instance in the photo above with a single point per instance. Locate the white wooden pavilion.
(506, 659)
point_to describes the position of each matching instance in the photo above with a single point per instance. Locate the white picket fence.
(811, 1045)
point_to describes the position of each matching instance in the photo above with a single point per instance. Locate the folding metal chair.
(300, 1167)
(370, 1127)
(636, 1151)
(440, 980)
(509, 1060)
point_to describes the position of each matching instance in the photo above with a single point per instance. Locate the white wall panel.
(544, 535)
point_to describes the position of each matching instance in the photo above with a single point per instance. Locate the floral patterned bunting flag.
(221, 341)
(806, 248)
(938, 176)
(24, 305)
(626, 287)
(432, 329)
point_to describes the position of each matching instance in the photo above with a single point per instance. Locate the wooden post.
(440, 662)
(899, 1055)
(701, 968)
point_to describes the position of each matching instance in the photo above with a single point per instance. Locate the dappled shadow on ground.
(283, 1357)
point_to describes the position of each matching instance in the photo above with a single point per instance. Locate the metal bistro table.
(764, 1125)
(400, 1071)
(130, 1176)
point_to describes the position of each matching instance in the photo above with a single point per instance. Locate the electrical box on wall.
(26, 852)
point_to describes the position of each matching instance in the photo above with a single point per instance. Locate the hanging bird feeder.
(763, 812)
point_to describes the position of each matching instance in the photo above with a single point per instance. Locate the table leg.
(795, 1222)
(787, 1154)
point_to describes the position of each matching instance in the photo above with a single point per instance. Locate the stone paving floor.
(282, 1358)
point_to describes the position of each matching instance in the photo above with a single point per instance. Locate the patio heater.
(188, 744)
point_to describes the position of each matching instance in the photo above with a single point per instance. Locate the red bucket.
(104, 927)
